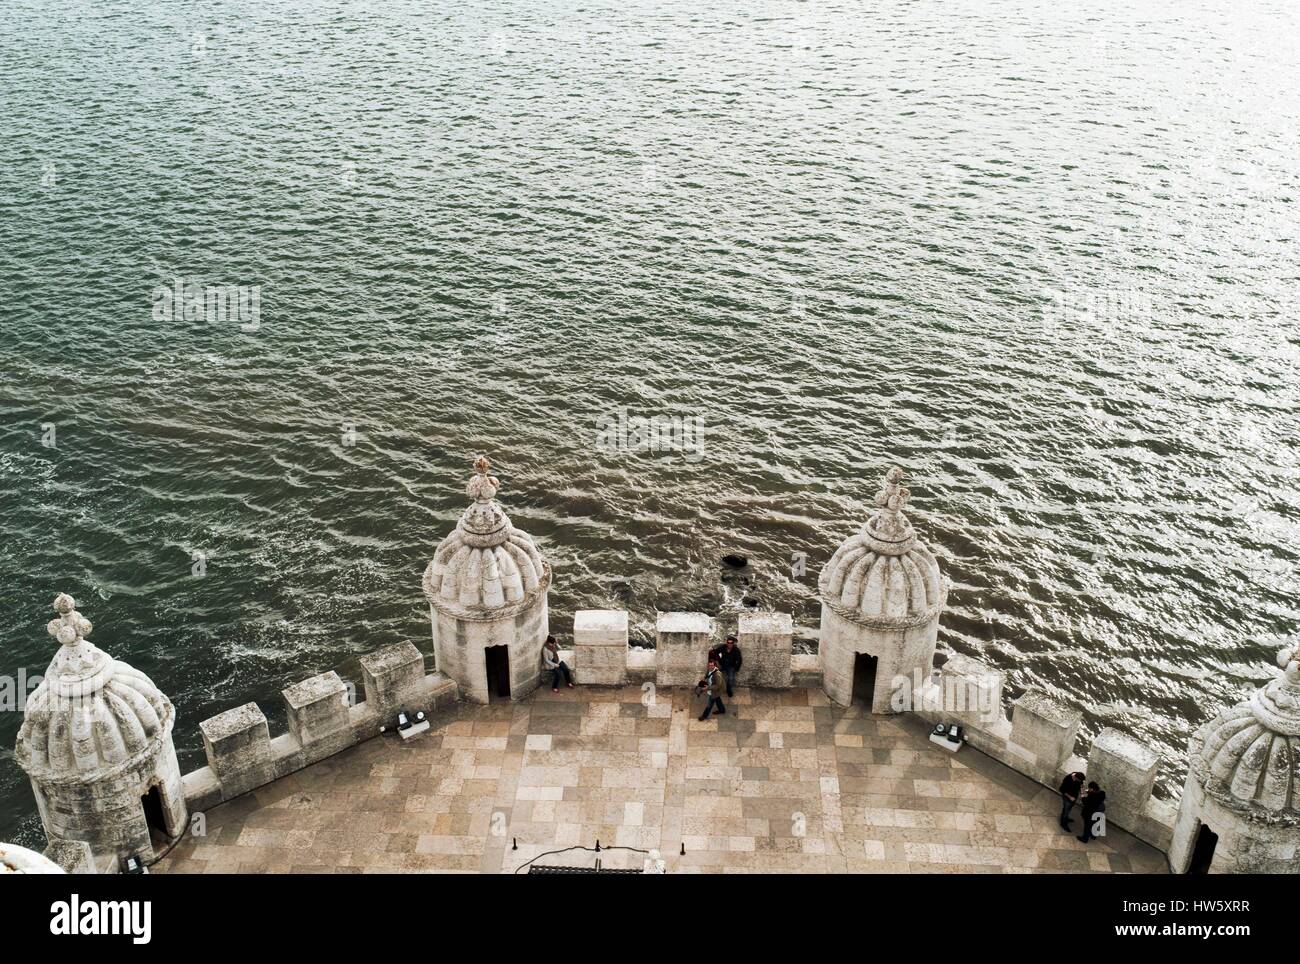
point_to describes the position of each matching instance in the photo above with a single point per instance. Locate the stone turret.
(882, 595)
(1240, 809)
(20, 860)
(487, 588)
(96, 742)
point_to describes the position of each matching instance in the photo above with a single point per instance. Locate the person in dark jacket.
(711, 686)
(729, 660)
(1094, 810)
(1070, 787)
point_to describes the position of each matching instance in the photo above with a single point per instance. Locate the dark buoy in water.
(749, 602)
(735, 561)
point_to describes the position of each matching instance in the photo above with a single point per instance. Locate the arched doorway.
(497, 663)
(1203, 851)
(864, 678)
(155, 815)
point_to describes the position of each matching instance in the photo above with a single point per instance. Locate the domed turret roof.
(92, 714)
(1250, 757)
(884, 575)
(486, 568)
(20, 860)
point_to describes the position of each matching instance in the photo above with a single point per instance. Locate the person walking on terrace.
(712, 686)
(1094, 813)
(729, 660)
(1070, 788)
(551, 660)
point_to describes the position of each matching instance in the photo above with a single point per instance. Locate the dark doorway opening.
(864, 678)
(498, 671)
(1203, 852)
(155, 816)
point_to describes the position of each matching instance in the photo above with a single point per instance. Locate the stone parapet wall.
(1039, 741)
(242, 754)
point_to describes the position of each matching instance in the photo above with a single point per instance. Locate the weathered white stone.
(1243, 782)
(72, 856)
(393, 678)
(682, 642)
(19, 860)
(641, 665)
(237, 744)
(318, 709)
(487, 586)
(967, 691)
(766, 641)
(1126, 770)
(96, 738)
(1043, 733)
(882, 595)
(600, 646)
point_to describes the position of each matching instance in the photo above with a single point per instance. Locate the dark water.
(1043, 258)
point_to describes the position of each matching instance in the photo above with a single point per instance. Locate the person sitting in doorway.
(551, 660)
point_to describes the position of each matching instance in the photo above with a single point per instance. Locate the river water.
(1043, 258)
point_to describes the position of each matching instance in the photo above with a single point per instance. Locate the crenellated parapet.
(322, 720)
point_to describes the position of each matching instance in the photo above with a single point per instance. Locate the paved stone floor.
(784, 782)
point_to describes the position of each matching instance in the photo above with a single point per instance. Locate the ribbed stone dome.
(1250, 757)
(883, 574)
(20, 860)
(91, 714)
(486, 567)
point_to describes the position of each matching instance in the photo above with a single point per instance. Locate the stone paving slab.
(784, 782)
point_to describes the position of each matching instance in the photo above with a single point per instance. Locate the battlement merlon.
(242, 755)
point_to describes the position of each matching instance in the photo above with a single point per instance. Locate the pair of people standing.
(724, 663)
(1092, 804)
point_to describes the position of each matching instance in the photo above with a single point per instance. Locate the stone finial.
(1288, 658)
(889, 524)
(1277, 703)
(483, 486)
(70, 628)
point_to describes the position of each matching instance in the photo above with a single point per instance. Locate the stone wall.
(765, 641)
(460, 646)
(682, 644)
(600, 646)
(1039, 741)
(107, 814)
(242, 754)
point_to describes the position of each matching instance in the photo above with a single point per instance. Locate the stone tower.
(96, 742)
(1240, 810)
(487, 589)
(882, 594)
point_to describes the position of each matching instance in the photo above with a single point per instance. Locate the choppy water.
(1043, 258)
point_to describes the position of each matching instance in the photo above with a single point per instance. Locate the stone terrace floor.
(784, 782)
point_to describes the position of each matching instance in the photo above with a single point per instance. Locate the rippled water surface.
(1043, 258)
